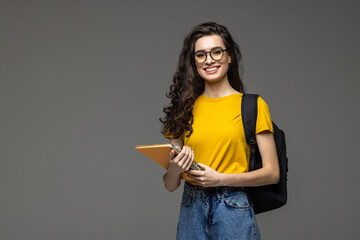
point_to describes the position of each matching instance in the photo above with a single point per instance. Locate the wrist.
(223, 180)
(233, 179)
(172, 172)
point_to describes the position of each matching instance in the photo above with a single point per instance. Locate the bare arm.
(178, 164)
(268, 174)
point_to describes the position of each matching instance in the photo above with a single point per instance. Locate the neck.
(218, 89)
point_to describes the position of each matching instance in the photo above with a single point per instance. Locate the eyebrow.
(209, 50)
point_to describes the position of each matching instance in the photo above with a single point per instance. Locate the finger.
(182, 161)
(196, 173)
(189, 163)
(197, 180)
(180, 155)
(187, 158)
(203, 166)
(178, 158)
(184, 150)
(172, 154)
(193, 177)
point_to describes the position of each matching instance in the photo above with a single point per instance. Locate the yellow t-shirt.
(218, 138)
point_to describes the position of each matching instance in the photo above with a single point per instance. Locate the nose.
(209, 59)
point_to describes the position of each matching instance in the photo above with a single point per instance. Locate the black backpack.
(269, 197)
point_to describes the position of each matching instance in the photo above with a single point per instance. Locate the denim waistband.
(224, 189)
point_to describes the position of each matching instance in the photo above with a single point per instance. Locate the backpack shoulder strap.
(249, 116)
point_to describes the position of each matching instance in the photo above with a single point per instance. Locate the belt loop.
(196, 189)
(226, 190)
(218, 193)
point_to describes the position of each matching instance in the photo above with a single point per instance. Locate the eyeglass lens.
(216, 54)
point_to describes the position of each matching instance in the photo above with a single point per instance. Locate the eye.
(217, 52)
(200, 55)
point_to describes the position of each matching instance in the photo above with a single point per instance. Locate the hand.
(207, 178)
(182, 162)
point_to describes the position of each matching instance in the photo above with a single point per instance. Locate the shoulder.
(264, 121)
(262, 103)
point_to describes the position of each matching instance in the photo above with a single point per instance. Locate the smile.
(212, 69)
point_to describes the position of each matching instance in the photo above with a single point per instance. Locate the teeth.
(211, 69)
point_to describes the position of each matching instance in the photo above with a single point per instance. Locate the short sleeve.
(168, 135)
(263, 121)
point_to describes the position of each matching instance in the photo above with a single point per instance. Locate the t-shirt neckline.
(209, 99)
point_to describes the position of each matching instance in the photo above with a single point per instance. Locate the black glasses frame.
(206, 54)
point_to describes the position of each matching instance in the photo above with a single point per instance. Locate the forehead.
(208, 42)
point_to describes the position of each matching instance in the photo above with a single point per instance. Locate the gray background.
(83, 82)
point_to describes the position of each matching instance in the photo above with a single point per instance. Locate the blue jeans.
(216, 213)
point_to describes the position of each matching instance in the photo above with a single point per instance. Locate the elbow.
(170, 189)
(168, 186)
(275, 177)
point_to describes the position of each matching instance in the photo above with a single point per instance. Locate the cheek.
(226, 67)
(199, 70)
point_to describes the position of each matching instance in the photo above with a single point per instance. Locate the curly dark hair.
(188, 85)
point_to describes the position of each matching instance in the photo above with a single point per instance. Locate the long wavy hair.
(188, 85)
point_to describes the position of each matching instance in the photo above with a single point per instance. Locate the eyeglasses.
(215, 53)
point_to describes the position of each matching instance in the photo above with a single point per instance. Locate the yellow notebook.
(160, 153)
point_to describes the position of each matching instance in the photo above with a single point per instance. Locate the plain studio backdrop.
(83, 82)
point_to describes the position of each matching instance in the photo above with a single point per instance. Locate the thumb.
(172, 154)
(203, 166)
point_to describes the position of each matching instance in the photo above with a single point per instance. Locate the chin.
(213, 79)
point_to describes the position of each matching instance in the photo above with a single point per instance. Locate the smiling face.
(212, 71)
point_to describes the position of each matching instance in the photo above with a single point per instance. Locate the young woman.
(204, 118)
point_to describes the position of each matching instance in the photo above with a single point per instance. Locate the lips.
(211, 69)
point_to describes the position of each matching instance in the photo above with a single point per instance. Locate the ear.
(229, 59)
